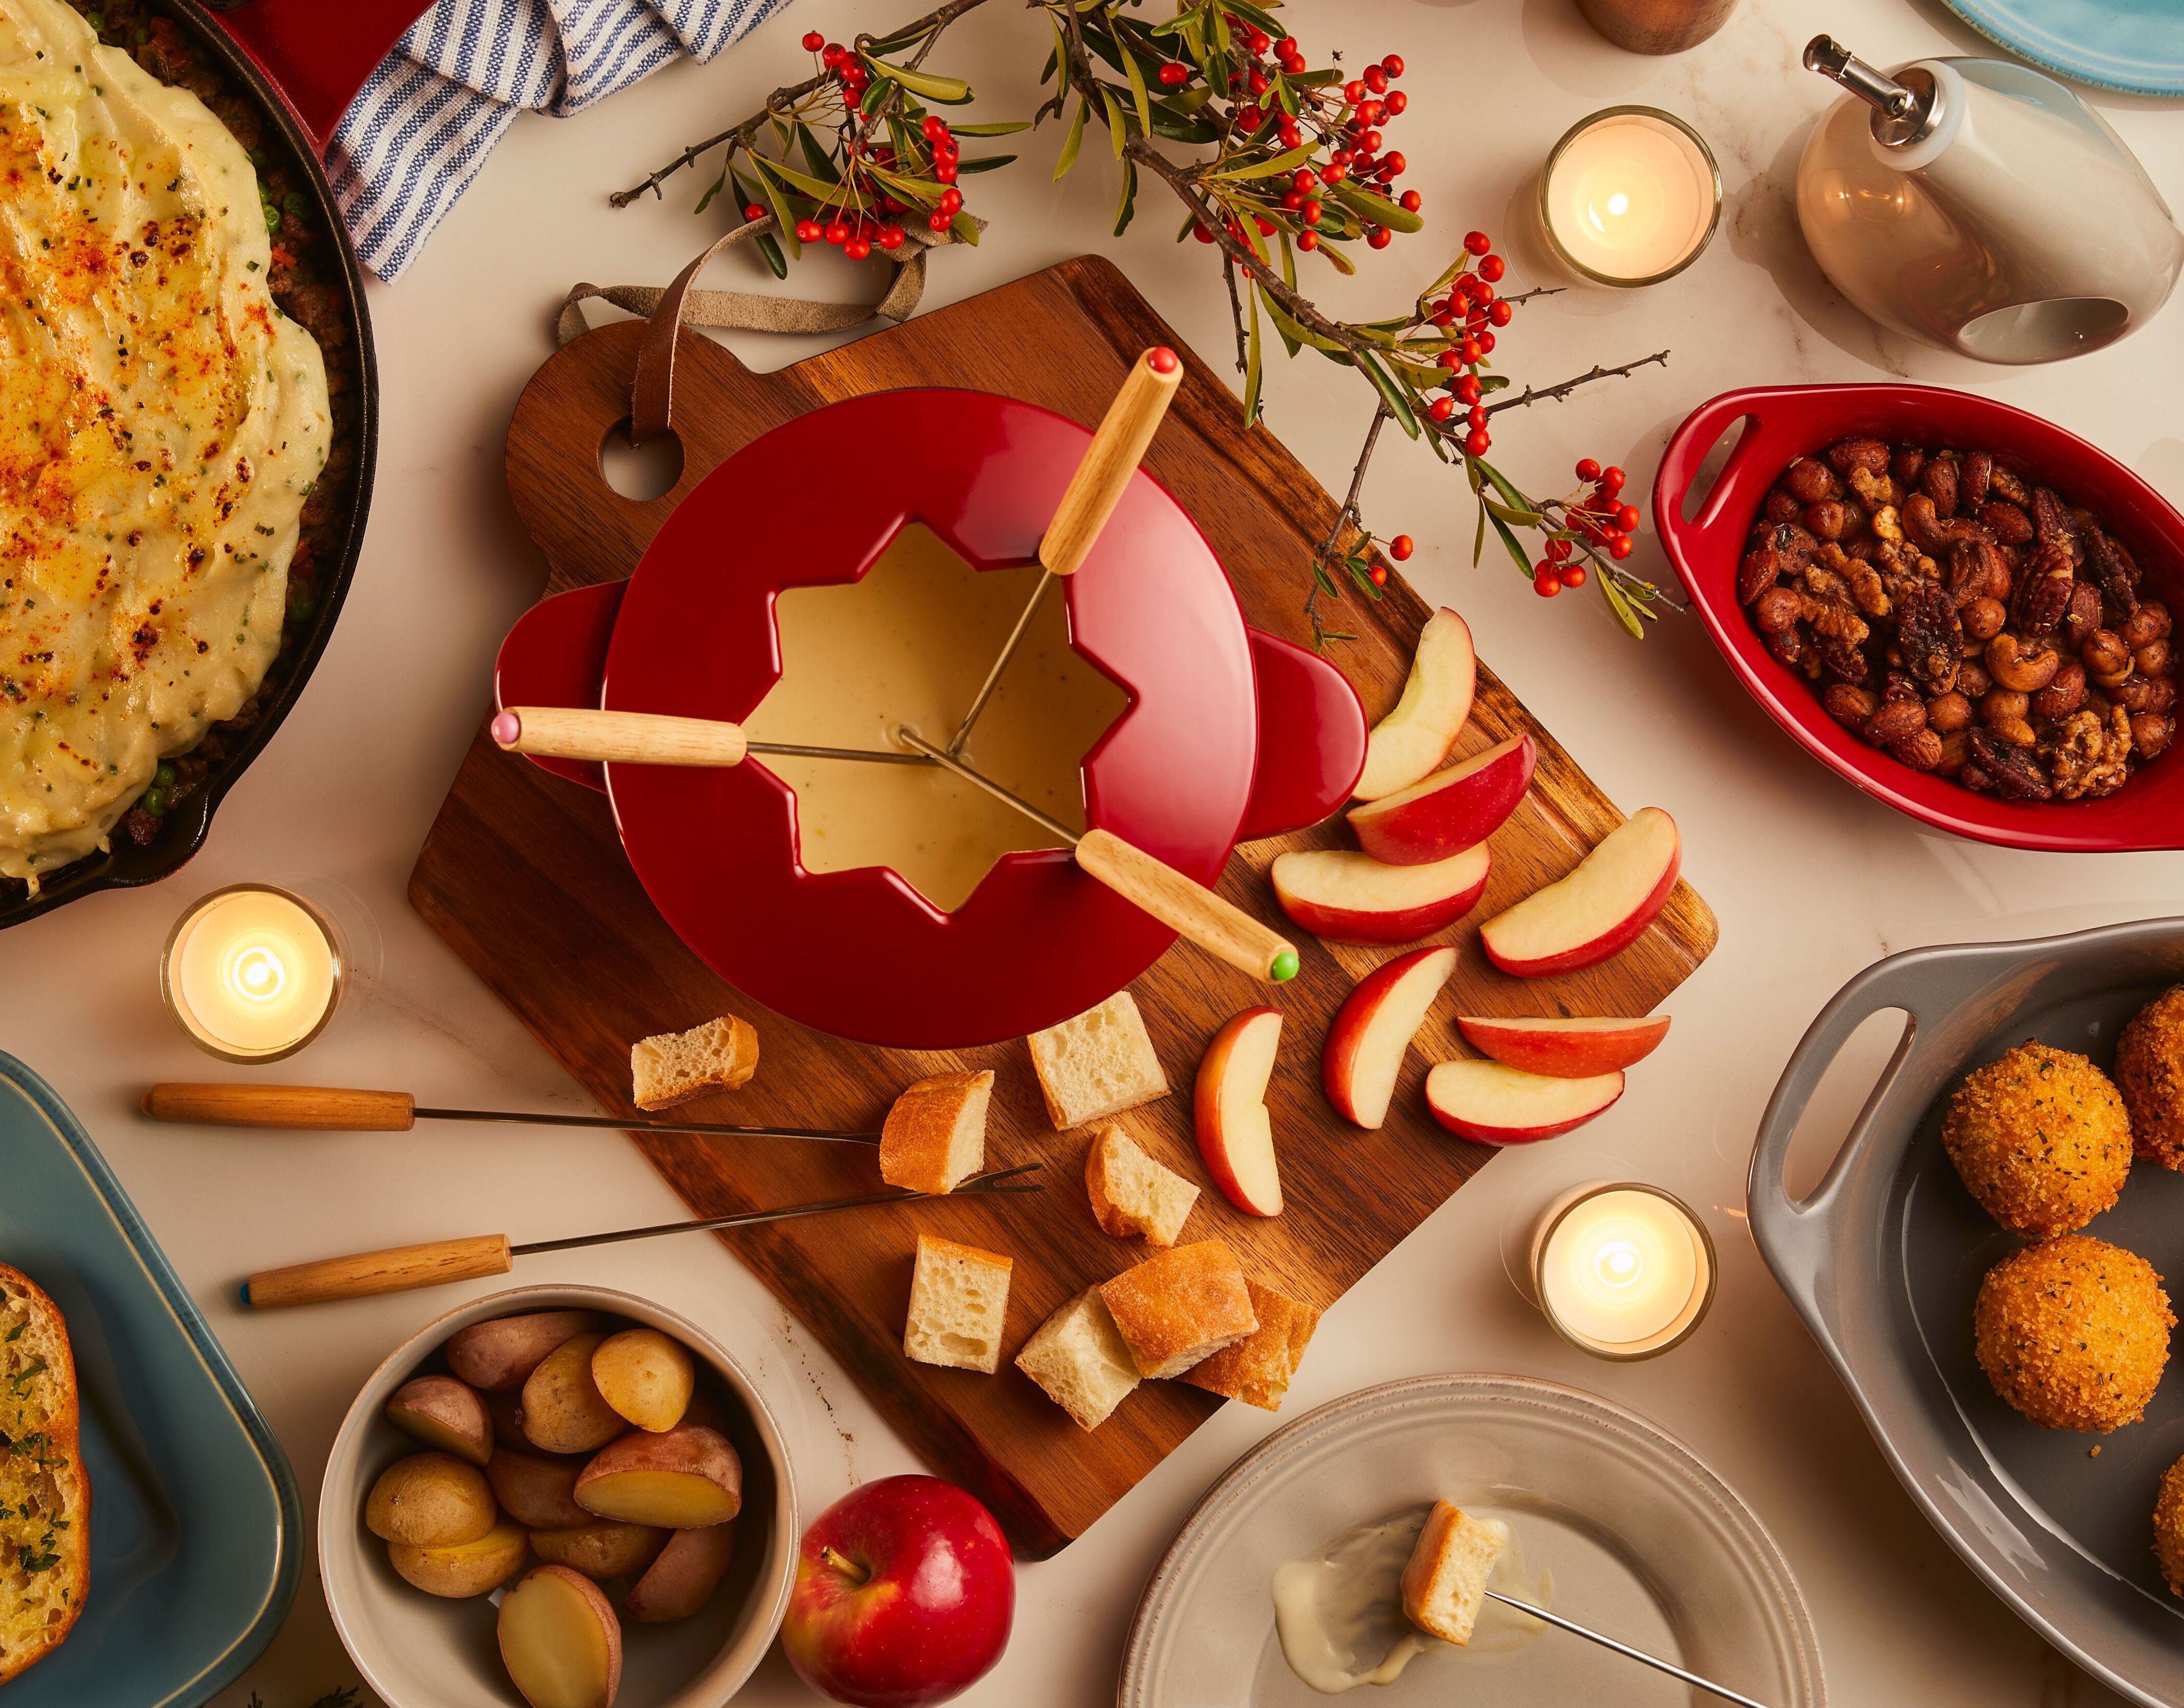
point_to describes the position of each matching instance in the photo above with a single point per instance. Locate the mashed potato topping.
(161, 424)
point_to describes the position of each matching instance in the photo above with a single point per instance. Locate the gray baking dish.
(1885, 1257)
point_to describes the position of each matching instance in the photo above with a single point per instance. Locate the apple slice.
(1375, 1026)
(1451, 810)
(1348, 897)
(1498, 1105)
(1235, 1137)
(1598, 910)
(1415, 738)
(1564, 1048)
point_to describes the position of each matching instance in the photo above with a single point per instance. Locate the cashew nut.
(2015, 667)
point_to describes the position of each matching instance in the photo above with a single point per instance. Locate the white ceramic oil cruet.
(1981, 206)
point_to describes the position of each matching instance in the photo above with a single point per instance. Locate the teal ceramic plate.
(2136, 46)
(195, 1526)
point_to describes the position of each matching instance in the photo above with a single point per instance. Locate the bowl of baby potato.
(561, 1496)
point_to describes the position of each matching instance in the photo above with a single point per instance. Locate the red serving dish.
(1785, 421)
(1229, 733)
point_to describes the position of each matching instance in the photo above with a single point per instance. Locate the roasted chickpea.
(2062, 696)
(2133, 694)
(2003, 703)
(1973, 679)
(1827, 520)
(2151, 732)
(1947, 714)
(2107, 658)
(1983, 618)
(2025, 665)
(2152, 658)
(1781, 506)
(2161, 694)
(1812, 480)
(1776, 610)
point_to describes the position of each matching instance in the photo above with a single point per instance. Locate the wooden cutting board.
(524, 875)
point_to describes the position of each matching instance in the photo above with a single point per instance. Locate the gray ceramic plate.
(1642, 1540)
(194, 1521)
(1884, 1259)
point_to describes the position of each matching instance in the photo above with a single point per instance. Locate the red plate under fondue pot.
(1228, 734)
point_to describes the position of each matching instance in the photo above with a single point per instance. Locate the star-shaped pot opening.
(910, 642)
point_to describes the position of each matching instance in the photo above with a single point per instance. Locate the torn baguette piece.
(1079, 1357)
(676, 1066)
(1444, 1584)
(1181, 1307)
(959, 1305)
(45, 1488)
(934, 1137)
(1256, 1369)
(1133, 1194)
(1097, 1065)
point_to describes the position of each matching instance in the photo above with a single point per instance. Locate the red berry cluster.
(848, 67)
(1597, 517)
(1468, 316)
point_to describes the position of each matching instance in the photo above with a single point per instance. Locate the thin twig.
(1343, 517)
(1236, 314)
(1555, 394)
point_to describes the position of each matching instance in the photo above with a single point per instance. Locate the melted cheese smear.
(1340, 1613)
(911, 644)
(161, 424)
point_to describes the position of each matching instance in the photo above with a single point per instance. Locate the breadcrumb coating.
(2150, 1074)
(2169, 1527)
(2041, 1139)
(2074, 1332)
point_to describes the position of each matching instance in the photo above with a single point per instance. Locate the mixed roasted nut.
(1963, 620)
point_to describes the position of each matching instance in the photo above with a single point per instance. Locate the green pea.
(272, 218)
(301, 609)
(154, 802)
(163, 777)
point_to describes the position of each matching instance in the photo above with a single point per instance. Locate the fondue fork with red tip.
(1118, 445)
(401, 1268)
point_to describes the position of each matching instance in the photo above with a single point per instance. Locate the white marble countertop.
(1811, 880)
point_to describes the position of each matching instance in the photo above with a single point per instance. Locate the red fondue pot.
(1229, 733)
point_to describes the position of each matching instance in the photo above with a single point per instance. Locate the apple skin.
(1615, 935)
(1564, 1048)
(1218, 1146)
(1462, 1095)
(1412, 740)
(1303, 869)
(1451, 810)
(931, 1615)
(1343, 1057)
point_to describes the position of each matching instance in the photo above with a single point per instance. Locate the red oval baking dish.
(1785, 421)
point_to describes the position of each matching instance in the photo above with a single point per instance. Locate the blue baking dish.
(195, 1529)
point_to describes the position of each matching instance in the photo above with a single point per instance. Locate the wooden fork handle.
(644, 738)
(294, 1108)
(1118, 445)
(1216, 926)
(367, 1272)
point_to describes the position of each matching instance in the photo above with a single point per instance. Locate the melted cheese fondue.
(161, 424)
(910, 643)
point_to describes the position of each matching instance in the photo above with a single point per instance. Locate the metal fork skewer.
(1623, 1648)
(1008, 651)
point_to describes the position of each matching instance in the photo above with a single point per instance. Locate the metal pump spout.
(1903, 111)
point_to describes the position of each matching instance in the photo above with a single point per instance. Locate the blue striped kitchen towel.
(421, 128)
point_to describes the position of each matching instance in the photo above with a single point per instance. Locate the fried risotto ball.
(2074, 1332)
(2169, 1527)
(2041, 1139)
(2150, 1074)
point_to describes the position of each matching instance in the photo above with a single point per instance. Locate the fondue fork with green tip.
(1180, 903)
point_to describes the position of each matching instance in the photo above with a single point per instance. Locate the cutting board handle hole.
(640, 473)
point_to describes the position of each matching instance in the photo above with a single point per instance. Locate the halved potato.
(444, 1413)
(505, 1409)
(687, 1477)
(464, 1568)
(645, 1376)
(537, 1489)
(560, 1641)
(429, 1500)
(684, 1577)
(501, 1353)
(601, 1548)
(563, 1409)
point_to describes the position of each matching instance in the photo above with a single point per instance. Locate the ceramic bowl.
(1789, 421)
(417, 1650)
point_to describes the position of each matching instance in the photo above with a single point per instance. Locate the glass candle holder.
(1629, 196)
(253, 973)
(1623, 1270)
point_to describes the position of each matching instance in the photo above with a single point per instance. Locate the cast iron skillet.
(1883, 1259)
(182, 832)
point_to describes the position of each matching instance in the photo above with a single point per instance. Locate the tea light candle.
(252, 973)
(1629, 196)
(1623, 1270)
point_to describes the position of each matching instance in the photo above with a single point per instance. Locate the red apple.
(1451, 810)
(1235, 1136)
(1416, 736)
(1375, 1026)
(905, 1592)
(1348, 897)
(1498, 1105)
(1564, 1048)
(1598, 910)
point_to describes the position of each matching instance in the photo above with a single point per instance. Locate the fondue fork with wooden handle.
(1181, 904)
(1118, 445)
(335, 1109)
(401, 1268)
